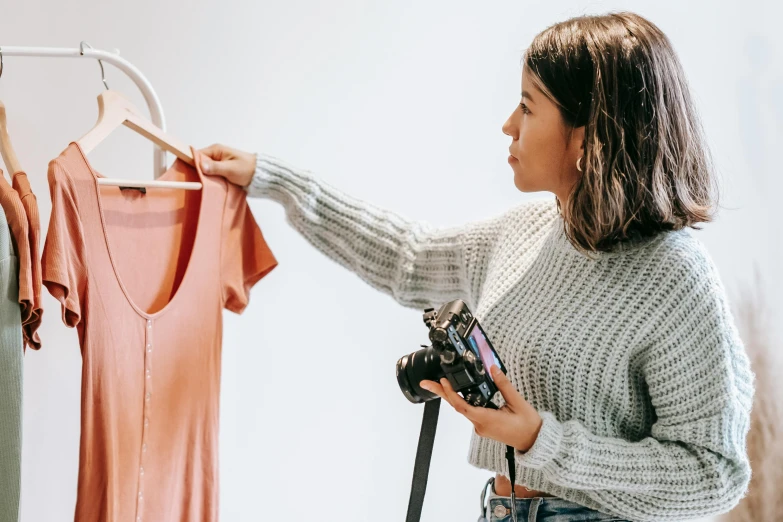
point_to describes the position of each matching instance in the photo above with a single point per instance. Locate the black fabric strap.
(423, 456)
(512, 476)
(421, 468)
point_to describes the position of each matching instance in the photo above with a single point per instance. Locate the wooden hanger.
(6, 150)
(115, 110)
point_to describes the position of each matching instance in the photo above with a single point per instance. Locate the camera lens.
(416, 367)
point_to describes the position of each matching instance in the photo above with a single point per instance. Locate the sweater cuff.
(546, 446)
(261, 175)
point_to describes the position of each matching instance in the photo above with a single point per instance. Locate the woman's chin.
(519, 182)
(526, 184)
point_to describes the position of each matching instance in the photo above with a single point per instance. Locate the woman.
(628, 390)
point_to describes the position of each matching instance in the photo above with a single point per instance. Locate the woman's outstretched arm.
(417, 264)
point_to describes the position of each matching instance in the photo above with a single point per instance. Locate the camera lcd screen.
(483, 349)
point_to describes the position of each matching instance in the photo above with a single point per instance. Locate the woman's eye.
(525, 110)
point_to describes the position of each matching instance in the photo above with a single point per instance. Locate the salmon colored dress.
(144, 279)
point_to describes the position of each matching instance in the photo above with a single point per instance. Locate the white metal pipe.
(114, 58)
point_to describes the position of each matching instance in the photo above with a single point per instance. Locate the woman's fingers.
(235, 165)
(438, 389)
(215, 151)
(457, 402)
(219, 162)
(480, 417)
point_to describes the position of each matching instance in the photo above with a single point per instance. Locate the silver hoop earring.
(579, 164)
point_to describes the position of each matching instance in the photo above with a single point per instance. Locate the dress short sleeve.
(63, 267)
(245, 255)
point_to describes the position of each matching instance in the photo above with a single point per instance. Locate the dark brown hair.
(647, 167)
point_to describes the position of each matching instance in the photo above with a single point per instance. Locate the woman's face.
(542, 154)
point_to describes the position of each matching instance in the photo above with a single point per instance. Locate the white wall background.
(399, 103)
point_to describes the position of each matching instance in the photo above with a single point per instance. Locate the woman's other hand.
(235, 165)
(516, 424)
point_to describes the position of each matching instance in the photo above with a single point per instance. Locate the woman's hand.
(235, 165)
(516, 424)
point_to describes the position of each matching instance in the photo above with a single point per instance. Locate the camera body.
(460, 351)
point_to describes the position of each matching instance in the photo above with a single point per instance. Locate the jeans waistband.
(496, 508)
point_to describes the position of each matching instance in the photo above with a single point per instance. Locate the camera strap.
(421, 467)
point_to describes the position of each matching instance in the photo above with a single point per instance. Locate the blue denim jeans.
(537, 509)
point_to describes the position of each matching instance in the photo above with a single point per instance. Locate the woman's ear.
(577, 144)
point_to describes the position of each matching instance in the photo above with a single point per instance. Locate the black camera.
(460, 351)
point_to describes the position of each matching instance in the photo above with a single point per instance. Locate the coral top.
(20, 232)
(143, 278)
(22, 187)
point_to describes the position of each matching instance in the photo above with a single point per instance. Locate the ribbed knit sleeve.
(20, 231)
(21, 185)
(417, 264)
(694, 463)
(11, 377)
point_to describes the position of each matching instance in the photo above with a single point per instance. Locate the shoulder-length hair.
(647, 167)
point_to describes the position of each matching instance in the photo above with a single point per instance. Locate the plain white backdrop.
(399, 103)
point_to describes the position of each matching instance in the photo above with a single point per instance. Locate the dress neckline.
(187, 276)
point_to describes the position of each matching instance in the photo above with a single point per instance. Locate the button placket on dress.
(144, 459)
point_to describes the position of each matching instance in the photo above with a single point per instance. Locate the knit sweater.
(631, 357)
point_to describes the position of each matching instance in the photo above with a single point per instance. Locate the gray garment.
(11, 354)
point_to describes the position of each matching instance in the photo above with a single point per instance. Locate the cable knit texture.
(631, 357)
(11, 377)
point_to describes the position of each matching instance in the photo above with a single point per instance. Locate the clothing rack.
(114, 58)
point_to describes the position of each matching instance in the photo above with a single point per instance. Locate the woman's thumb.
(211, 167)
(504, 385)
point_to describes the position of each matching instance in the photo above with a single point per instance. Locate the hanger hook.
(1, 62)
(103, 74)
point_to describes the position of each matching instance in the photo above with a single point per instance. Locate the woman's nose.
(508, 127)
